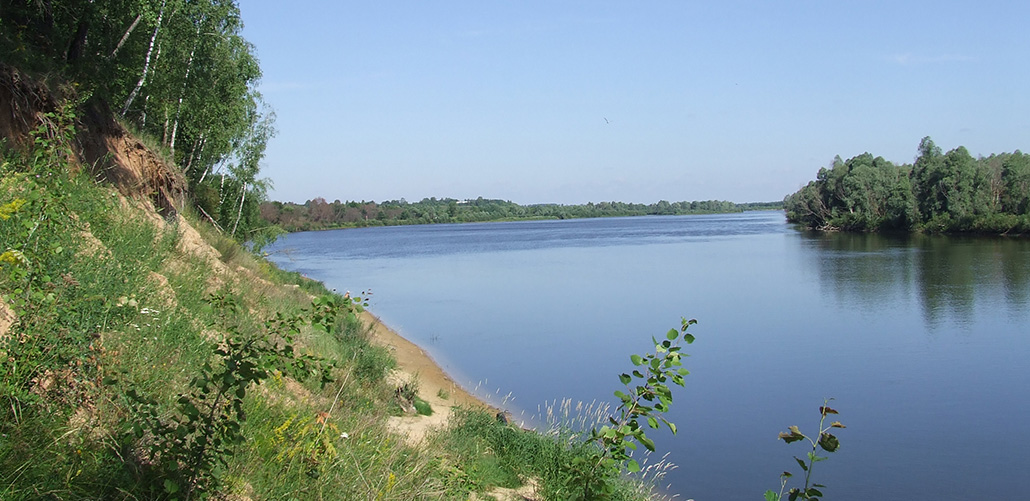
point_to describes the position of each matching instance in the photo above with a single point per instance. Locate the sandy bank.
(434, 383)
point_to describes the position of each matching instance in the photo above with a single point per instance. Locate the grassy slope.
(109, 300)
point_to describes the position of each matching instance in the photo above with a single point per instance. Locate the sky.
(587, 101)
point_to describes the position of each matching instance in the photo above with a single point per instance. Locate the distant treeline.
(941, 193)
(319, 214)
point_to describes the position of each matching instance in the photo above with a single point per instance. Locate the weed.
(825, 441)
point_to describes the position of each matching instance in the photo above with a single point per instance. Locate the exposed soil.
(7, 319)
(101, 145)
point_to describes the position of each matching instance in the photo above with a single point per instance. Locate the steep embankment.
(147, 356)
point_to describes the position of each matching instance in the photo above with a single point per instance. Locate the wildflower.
(344, 435)
(9, 209)
(12, 256)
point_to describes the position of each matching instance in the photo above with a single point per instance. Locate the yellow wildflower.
(11, 208)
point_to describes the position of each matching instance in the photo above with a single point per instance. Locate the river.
(923, 342)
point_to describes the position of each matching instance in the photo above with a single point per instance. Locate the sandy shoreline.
(434, 383)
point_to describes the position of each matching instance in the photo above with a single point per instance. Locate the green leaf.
(793, 434)
(802, 463)
(771, 496)
(632, 466)
(672, 334)
(622, 396)
(672, 426)
(828, 442)
(171, 487)
(652, 422)
(625, 378)
(636, 359)
(689, 338)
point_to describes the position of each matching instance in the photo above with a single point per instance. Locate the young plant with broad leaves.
(646, 399)
(826, 441)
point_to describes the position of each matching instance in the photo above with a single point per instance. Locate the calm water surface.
(922, 341)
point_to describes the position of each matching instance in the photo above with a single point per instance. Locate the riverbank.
(435, 386)
(442, 393)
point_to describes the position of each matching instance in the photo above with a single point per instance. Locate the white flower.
(344, 435)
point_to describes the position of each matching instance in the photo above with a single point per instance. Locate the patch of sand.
(414, 363)
(7, 318)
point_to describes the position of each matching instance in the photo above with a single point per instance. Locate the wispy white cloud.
(909, 58)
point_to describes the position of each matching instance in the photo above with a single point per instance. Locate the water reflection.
(949, 276)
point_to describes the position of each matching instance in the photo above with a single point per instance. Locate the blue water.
(922, 342)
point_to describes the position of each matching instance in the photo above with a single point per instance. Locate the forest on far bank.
(319, 214)
(941, 193)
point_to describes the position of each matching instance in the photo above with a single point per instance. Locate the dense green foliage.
(319, 214)
(941, 192)
(177, 71)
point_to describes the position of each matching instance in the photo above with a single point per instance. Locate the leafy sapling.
(646, 399)
(825, 441)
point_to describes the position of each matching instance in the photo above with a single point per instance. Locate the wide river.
(923, 342)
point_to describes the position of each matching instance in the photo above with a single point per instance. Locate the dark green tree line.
(940, 192)
(320, 214)
(179, 71)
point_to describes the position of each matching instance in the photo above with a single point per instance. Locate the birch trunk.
(146, 61)
(182, 92)
(199, 143)
(125, 36)
(239, 213)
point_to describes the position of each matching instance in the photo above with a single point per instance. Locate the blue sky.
(577, 101)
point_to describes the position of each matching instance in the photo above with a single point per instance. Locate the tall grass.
(487, 451)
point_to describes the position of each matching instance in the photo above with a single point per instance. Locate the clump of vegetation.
(191, 447)
(941, 193)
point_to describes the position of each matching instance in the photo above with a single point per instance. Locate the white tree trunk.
(146, 61)
(239, 213)
(193, 154)
(182, 92)
(125, 36)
